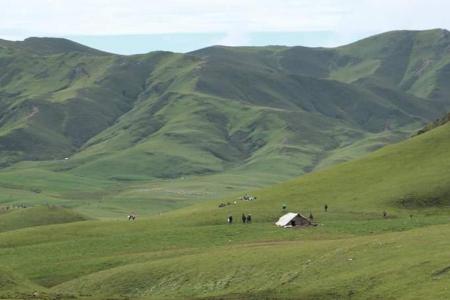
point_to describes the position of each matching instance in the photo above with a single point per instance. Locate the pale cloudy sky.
(127, 26)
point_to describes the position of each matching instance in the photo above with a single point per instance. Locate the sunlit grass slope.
(21, 217)
(217, 110)
(192, 253)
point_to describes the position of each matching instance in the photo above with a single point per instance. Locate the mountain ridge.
(217, 108)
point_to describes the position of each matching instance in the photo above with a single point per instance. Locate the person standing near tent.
(244, 218)
(249, 219)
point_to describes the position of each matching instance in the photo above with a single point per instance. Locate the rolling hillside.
(17, 218)
(354, 252)
(266, 112)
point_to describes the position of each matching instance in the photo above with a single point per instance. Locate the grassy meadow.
(191, 252)
(87, 138)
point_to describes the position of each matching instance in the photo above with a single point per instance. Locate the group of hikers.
(226, 204)
(248, 197)
(245, 219)
(248, 218)
(6, 208)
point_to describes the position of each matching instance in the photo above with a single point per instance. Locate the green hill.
(219, 109)
(192, 253)
(95, 136)
(16, 218)
(13, 286)
(436, 123)
(109, 134)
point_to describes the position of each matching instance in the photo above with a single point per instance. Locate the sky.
(140, 26)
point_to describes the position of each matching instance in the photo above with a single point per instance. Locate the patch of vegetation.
(192, 252)
(15, 217)
(434, 124)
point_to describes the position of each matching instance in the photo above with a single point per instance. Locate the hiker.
(311, 217)
(326, 208)
(244, 218)
(384, 214)
(249, 218)
(230, 219)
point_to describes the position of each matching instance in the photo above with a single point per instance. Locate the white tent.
(293, 219)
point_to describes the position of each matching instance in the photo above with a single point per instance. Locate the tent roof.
(285, 219)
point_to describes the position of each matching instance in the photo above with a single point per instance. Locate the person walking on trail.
(249, 219)
(230, 219)
(244, 218)
(326, 207)
(311, 217)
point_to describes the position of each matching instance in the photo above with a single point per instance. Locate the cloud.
(236, 18)
(235, 38)
(100, 17)
(383, 15)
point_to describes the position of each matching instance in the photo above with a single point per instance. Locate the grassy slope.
(262, 115)
(193, 253)
(13, 286)
(173, 119)
(214, 109)
(16, 218)
(158, 131)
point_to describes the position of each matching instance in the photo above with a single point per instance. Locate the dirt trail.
(33, 112)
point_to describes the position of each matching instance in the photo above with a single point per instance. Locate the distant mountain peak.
(48, 46)
(219, 108)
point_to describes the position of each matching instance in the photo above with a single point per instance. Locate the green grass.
(354, 72)
(192, 252)
(361, 267)
(216, 110)
(12, 218)
(171, 136)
